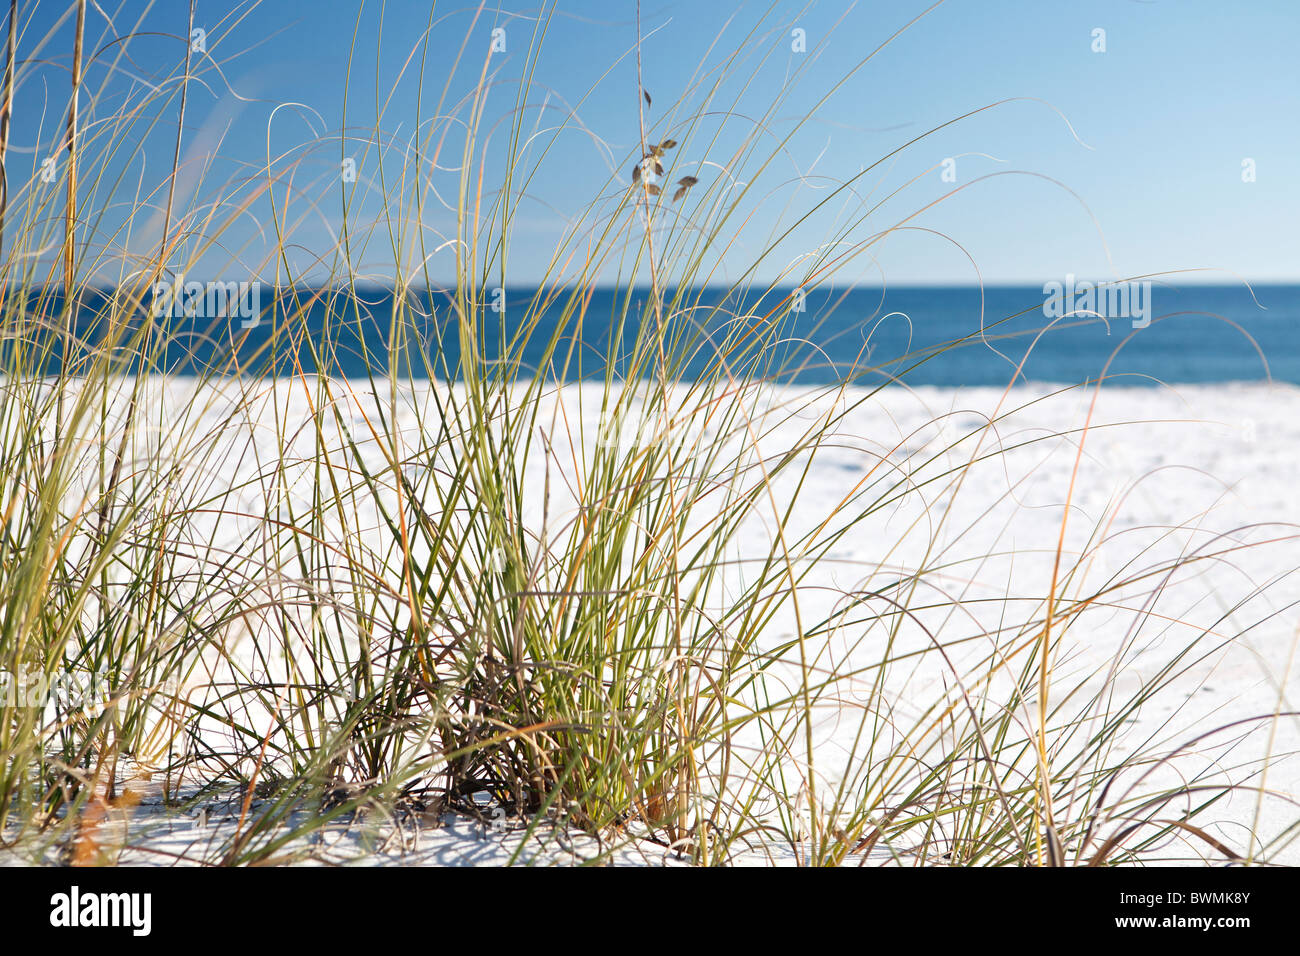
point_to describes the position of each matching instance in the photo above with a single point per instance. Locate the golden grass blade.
(6, 113)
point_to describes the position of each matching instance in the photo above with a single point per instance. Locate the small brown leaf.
(636, 173)
(687, 181)
(652, 189)
(647, 98)
(681, 191)
(668, 144)
(659, 168)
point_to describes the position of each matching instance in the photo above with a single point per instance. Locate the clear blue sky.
(1184, 92)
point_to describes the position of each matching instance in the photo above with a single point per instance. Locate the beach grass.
(460, 583)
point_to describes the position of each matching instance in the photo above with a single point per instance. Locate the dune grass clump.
(527, 559)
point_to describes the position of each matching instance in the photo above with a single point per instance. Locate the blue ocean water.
(917, 335)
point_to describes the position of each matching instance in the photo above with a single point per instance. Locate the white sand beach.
(1161, 475)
